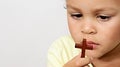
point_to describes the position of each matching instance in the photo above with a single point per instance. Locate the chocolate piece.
(84, 46)
(77, 45)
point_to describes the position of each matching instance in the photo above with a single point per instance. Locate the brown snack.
(77, 45)
(84, 46)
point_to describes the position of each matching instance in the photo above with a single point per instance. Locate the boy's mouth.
(90, 45)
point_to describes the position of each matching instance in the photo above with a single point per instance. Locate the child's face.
(97, 21)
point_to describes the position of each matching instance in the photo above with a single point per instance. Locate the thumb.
(83, 61)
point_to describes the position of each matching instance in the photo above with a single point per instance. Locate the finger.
(82, 62)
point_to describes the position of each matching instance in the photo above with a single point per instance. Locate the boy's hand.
(78, 62)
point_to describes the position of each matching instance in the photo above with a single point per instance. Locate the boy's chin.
(94, 55)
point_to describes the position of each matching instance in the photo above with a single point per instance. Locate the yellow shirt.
(61, 51)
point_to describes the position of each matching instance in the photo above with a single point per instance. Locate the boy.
(98, 21)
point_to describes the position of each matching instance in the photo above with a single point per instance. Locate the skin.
(97, 21)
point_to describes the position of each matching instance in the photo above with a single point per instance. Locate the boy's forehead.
(94, 3)
(95, 0)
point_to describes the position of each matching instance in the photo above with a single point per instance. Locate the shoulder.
(60, 50)
(63, 41)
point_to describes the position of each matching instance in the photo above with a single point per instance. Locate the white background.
(27, 29)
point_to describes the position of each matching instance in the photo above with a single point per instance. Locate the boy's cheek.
(108, 45)
(99, 52)
(77, 39)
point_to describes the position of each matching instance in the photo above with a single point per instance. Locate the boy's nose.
(88, 29)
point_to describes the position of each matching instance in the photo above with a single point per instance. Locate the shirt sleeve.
(54, 55)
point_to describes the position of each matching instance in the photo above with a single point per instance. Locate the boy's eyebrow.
(105, 9)
(72, 7)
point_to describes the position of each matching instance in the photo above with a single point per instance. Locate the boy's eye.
(103, 18)
(76, 15)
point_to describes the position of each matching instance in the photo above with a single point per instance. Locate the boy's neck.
(100, 63)
(110, 59)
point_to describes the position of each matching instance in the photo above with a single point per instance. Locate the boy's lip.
(91, 43)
